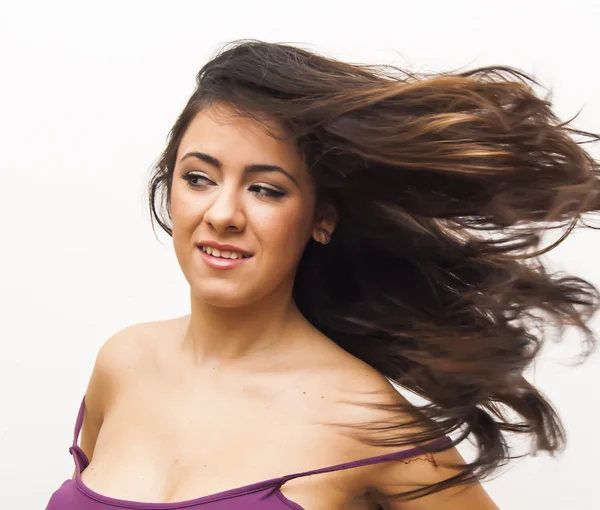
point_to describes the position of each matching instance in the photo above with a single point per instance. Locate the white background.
(88, 93)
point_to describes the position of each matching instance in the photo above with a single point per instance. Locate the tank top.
(73, 494)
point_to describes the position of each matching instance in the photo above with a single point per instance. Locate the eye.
(264, 191)
(194, 176)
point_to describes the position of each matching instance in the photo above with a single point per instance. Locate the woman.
(345, 231)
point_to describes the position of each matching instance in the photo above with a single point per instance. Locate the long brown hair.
(449, 181)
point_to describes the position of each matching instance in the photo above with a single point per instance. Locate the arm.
(399, 476)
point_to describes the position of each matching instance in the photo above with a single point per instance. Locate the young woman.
(344, 231)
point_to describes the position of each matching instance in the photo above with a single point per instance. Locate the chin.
(223, 297)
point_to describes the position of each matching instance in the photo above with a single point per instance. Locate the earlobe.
(322, 236)
(327, 222)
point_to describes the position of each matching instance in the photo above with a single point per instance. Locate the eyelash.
(266, 192)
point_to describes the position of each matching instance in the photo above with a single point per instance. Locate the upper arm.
(400, 476)
(103, 382)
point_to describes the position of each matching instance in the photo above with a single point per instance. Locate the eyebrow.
(247, 169)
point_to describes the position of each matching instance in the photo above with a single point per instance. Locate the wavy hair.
(450, 181)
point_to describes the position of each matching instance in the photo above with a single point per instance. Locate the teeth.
(223, 254)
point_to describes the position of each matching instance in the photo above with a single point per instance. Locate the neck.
(218, 337)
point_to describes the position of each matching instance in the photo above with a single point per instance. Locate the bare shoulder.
(115, 355)
(121, 351)
(363, 389)
(132, 346)
(118, 355)
(370, 399)
(362, 401)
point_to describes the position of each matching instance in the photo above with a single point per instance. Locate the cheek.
(183, 211)
(286, 229)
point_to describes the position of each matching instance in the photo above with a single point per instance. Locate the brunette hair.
(449, 181)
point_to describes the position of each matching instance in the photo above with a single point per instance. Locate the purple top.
(265, 495)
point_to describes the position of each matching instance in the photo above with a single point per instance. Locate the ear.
(325, 222)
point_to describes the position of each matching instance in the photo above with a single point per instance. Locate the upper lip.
(223, 247)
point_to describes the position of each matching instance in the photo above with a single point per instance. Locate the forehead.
(218, 131)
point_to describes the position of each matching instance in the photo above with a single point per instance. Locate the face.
(242, 209)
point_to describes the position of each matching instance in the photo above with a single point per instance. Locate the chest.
(165, 443)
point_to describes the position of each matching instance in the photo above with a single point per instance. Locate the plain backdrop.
(88, 92)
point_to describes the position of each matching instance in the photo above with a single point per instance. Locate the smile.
(223, 254)
(217, 259)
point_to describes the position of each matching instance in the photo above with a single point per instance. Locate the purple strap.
(402, 454)
(81, 460)
(79, 422)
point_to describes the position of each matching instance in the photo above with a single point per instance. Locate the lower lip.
(220, 263)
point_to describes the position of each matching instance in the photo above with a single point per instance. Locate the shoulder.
(134, 344)
(119, 358)
(112, 359)
(378, 417)
(386, 415)
(366, 406)
(366, 393)
(115, 356)
(121, 350)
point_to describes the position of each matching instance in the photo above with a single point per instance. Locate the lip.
(217, 262)
(222, 247)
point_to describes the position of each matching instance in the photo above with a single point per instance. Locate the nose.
(224, 214)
